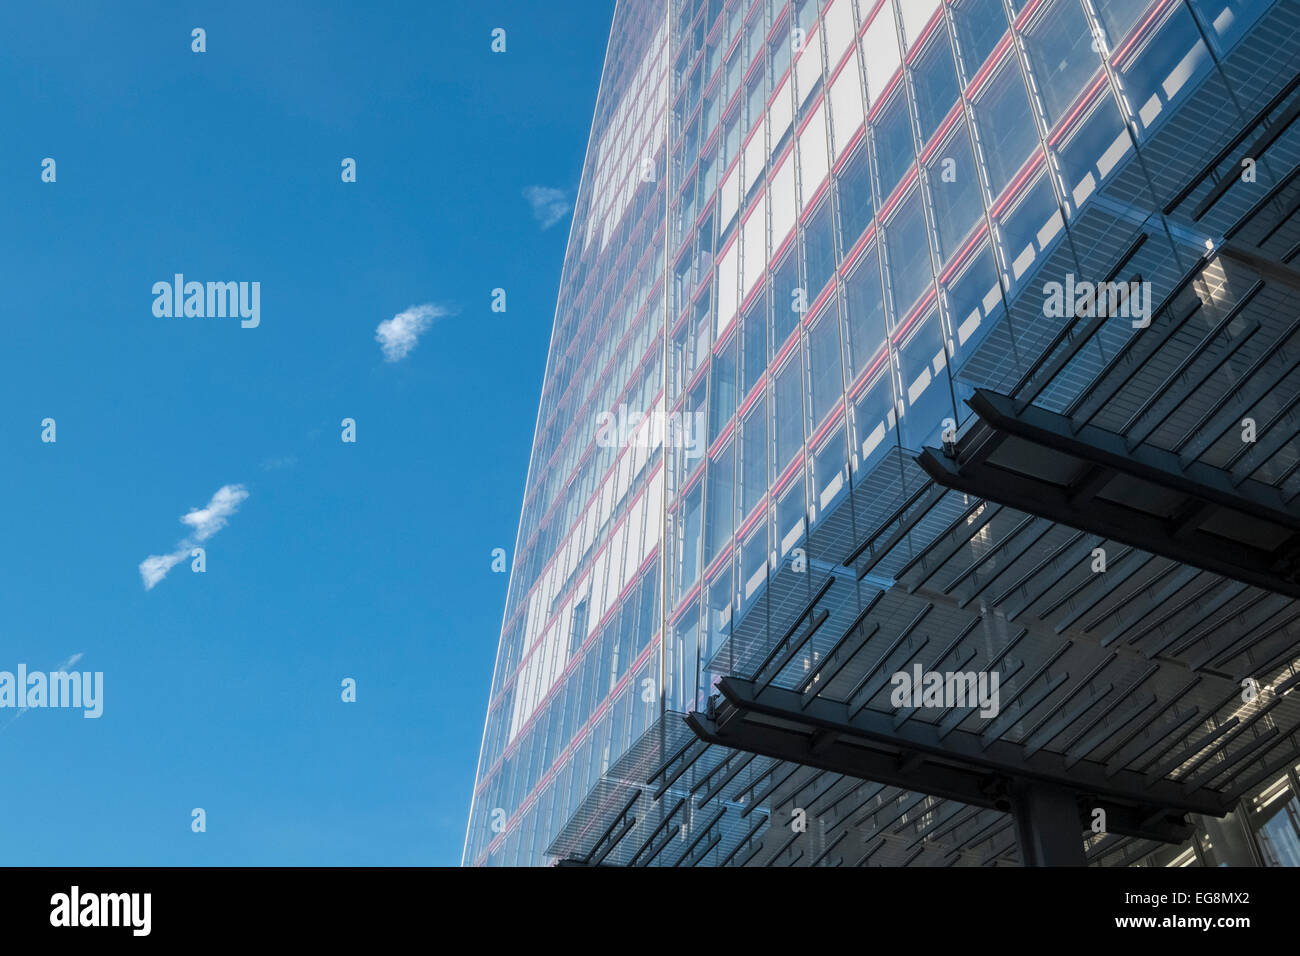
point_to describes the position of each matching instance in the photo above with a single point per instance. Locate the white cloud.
(155, 567)
(208, 521)
(398, 335)
(549, 205)
(205, 521)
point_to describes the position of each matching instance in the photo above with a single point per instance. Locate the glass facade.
(796, 219)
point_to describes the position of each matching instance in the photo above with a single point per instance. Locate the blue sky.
(368, 560)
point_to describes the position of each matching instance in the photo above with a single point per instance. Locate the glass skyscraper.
(802, 232)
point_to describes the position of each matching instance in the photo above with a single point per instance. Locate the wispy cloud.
(398, 335)
(205, 521)
(60, 669)
(549, 205)
(278, 462)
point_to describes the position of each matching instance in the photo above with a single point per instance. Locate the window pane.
(1006, 133)
(980, 25)
(791, 515)
(909, 255)
(720, 502)
(755, 98)
(893, 134)
(689, 527)
(830, 470)
(1229, 18)
(718, 625)
(753, 566)
(954, 186)
(854, 185)
(690, 433)
(934, 84)
(722, 391)
(1119, 16)
(1060, 53)
(826, 383)
(927, 397)
(755, 333)
(819, 252)
(874, 419)
(787, 415)
(1168, 64)
(1094, 149)
(785, 300)
(974, 300)
(1028, 228)
(753, 457)
(780, 49)
(864, 314)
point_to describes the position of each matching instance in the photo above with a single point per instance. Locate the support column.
(1047, 825)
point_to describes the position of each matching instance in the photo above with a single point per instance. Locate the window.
(819, 251)
(980, 26)
(1229, 19)
(753, 457)
(791, 514)
(909, 255)
(954, 189)
(853, 183)
(847, 107)
(780, 49)
(808, 70)
(722, 392)
(753, 566)
(926, 393)
(787, 415)
(684, 661)
(1005, 131)
(1120, 16)
(689, 525)
(755, 97)
(755, 29)
(893, 135)
(755, 343)
(805, 14)
(864, 312)
(874, 418)
(1092, 150)
(731, 136)
(880, 51)
(720, 502)
(578, 630)
(1028, 228)
(718, 625)
(786, 293)
(692, 431)
(934, 84)
(825, 378)
(1275, 818)
(974, 300)
(830, 471)
(1167, 65)
(1060, 55)
(916, 16)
